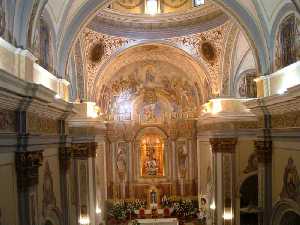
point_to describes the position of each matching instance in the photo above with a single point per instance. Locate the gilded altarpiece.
(143, 159)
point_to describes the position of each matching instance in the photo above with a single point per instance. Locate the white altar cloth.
(161, 221)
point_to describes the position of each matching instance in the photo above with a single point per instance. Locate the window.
(198, 2)
(151, 7)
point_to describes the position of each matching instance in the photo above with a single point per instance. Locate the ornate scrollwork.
(27, 166)
(223, 145)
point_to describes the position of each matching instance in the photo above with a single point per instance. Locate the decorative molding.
(27, 167)
(84, 150)
(223, 145)
(37, 124)
(230, 125)
(286, 120)
(263, 149)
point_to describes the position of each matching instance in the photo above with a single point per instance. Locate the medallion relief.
(7, 121)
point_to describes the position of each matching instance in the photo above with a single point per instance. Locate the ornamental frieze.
(223, 145)
(8, 121)
(84, 150)
(287, 120)
(39, 125)
(27, 167)
(233, 125)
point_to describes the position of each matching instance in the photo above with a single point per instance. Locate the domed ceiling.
(150, 68)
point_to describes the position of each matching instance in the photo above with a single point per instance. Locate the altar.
(161, 221)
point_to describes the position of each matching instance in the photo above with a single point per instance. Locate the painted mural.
(147, 92)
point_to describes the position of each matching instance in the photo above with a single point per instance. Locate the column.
(27, 168)
(223, 150)
(65, 162)
(263, 150)
(84, 155)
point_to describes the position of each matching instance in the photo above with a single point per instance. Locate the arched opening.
(249, 201)
(290, 218)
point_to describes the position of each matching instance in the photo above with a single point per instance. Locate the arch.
(53, 216)
(249, 199)
(164, 43)
(151, 129)
(232, 7)
(281, 208)
(283, 13)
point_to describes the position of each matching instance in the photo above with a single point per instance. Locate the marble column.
(27, 168)
(263, 150)
(65, 162)
(223, 150)
(84, 155)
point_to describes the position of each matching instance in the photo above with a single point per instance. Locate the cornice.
(161, 26)
(19, 95)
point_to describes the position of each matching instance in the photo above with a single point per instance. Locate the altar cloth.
(161, 221)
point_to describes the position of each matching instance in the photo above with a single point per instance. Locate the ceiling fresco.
(149, 91)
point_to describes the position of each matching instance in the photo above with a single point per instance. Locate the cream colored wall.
(282, 151)
(8, 190)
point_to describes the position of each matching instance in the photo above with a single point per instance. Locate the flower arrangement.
(121, 209)
(183, 207)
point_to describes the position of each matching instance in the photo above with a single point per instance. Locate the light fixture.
(228, 214)
(98, 210)
(151, 7)
(84, 218)
(212, 205)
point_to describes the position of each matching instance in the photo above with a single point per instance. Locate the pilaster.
(223, 150)
(263, 150)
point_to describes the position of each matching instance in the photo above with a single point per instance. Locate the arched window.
(287, 41)
(45, 46)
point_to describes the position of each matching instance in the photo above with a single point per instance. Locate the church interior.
(146, 112)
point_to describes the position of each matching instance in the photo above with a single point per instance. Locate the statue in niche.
(48, 192)
(121, 160)
(151, 164)
(182, 159)
(291, 182)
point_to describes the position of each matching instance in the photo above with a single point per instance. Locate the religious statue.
(121, 161)
(151, 165)
(291, 182)
(153, 198)
(182, 158)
